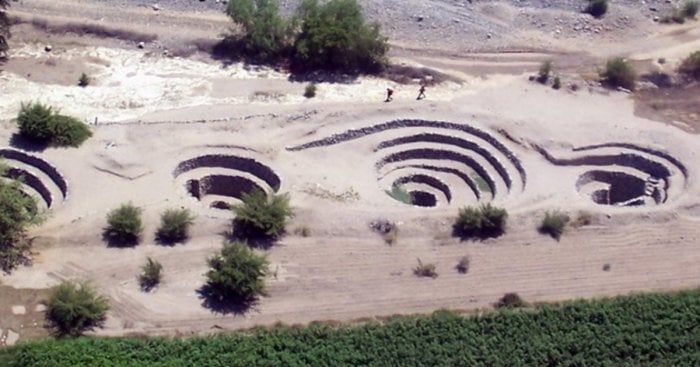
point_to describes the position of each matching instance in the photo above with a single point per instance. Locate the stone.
(48, 48)
(19, 310)
(141, 45)
(12, 337)
(156, 7)
(42, 307)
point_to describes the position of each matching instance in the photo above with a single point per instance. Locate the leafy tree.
(151, 274)
(175, 225)
(619, 73)
(41, 124)
(553, 224)
(73, 308)
(690, 8)
(124, 226)
(691, 65)
(236, 274)
(335, 36)
(4, 27)
(17, 211)
(545, 70)
(485, 221)
(597, 8)
(264, 30)
(510, 300)
(310, 91)
(261, 215)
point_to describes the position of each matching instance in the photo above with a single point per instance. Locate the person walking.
(389, 95)
(421, 92)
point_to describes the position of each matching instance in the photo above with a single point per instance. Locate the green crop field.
(639, 330)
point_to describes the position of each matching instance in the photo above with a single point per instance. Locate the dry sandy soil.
(503, 139)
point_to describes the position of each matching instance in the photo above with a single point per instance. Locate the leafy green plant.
(463, 265)
(18, 211)
(73, 308)
(310, 90)
(691, 65)
(264, 35)
(425, 270)
(557, 82)
(597, 8)
(399, 194)
(175, 225)
(510, 300)
(236, 274)
(84, 80)
(690, 9)
(619, 73)
(553, 224)
(4, 28)
(151, 274)
(484, 221)
(124, 226)
(42, 125)
(261, 215)
(545, 70)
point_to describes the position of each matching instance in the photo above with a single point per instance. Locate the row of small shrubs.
(43, 125)
(125, 226)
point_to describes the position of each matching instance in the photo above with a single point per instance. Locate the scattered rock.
(40, 308)
(156, 7)
(48, 48)
(382, 226)
(141, 44)
(12, 337)
(19, 310)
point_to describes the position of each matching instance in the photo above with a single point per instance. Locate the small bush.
(425, 270)
(303, 231)
(690, 9)
(510, 300)
(463, 265)
(607, 267)
(84, 80)
(260, 215)
(691, 65)
(597, 8)
(150, 274)
(124, 225)
(545, 70)
(41, 124)
(236, 274)
(310, 91)
(619, 73)
(553, 224)
(174, 225)
(18, 211)
(74, 308)
(485, 221)
(557, 82)
(582, 219)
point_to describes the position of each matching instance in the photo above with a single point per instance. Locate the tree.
(264, 30)
(236, 274)
(42, 125)
(73, 308)
(4, 27)
(691, 65)
(150, 274)
(690, 8)
(553, 224)
(124, 226)
(335, 36)
(174, 225)
(17, 211)
(261, 215)
(619, 73)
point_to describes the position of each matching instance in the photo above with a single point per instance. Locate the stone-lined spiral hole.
(38, 178)
(222, 177)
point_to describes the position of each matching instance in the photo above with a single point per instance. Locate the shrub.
(582, 219)
(84, 80)
(557, 82)
(425, 270)
(174, 225)
(261, 215)
(690, 9)
(691, 65)
(236, 274)
(264, 31)
(150, 274)
(17, 212)
(335, 36)
(463, 265)
(303, 231)
(4, 27)
(310, 91)
(485, 221)
(41, 124)
(619, 73)
(73, 308)
(545, 70)
(597, 8)
(553, 224)
(124, 225)
(510, 300)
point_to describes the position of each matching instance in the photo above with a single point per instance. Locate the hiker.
(421, 92)
(389, 94)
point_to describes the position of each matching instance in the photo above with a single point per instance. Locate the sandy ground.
(154, 112)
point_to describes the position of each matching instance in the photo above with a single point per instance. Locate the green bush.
(17, 212)
(84, 80)
(597, 8)
(553, 224)
(545, 70)
(310, 91)
(619, 73)
(463, 265)
(151, 274)
(261, 215)
(690, 9)
(510, 300)
(264, 31)
(236, 274)
(691, 65)
(485, 221)
(124, 226)
(74, 308)
(174, 225)
(335, 36)
(41, 124)
(557, 83)
(425, 270)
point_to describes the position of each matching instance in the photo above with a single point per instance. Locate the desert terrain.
(175, 111)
